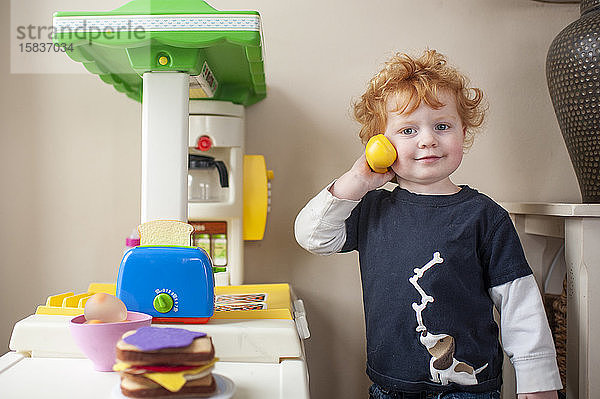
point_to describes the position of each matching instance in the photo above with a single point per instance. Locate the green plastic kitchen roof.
(221, 50)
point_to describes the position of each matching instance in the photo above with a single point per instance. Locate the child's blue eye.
(442, 126)
(408, 131)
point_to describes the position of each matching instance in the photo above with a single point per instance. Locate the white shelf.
(552, 209)
(578, 226)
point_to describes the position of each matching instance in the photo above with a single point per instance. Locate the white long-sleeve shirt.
(526, 337)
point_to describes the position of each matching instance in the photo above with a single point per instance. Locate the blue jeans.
(377, 392)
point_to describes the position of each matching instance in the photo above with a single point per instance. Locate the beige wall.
(70, 151)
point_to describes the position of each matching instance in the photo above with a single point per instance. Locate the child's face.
(429, 143)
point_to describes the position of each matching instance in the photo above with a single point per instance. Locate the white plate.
(225, 389)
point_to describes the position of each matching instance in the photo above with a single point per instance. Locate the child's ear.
(464, 132)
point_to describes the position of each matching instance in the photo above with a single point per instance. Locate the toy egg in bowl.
(98, 340)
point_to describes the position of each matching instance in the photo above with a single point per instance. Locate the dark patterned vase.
(573, 74)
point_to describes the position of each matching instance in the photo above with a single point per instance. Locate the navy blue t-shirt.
(427, 262)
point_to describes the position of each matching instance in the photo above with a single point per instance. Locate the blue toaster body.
(167, 282)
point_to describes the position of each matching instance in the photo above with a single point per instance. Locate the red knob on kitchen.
(204, 143)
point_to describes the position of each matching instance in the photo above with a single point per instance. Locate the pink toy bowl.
(98, 341)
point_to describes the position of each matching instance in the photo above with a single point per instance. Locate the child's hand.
(359, 180)
(538, 395)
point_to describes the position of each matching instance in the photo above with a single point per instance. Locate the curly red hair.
(415, 80)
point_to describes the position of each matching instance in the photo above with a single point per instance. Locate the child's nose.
(427, 138)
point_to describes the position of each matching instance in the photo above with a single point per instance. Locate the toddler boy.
(435, 258)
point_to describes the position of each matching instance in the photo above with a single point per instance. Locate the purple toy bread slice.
(200, 352)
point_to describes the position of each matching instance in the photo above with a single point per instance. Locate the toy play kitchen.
(194, 69)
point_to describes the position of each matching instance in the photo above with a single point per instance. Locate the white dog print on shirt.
(444, 368)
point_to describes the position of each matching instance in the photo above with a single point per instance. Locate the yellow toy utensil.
(380, 153)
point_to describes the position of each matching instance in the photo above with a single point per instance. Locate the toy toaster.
(173, 284)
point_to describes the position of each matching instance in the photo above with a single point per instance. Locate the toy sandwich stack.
(165, 363)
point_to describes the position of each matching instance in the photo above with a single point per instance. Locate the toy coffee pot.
(207, 179)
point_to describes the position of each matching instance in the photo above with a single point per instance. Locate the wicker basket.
(556, 310)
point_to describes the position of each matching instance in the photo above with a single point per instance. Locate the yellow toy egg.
(380, 153)
(105, 308)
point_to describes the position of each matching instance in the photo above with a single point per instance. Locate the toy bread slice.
(165, 232)
(141, 387)
(200, 352)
